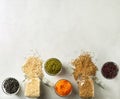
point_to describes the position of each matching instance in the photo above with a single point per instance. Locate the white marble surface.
(62, 29)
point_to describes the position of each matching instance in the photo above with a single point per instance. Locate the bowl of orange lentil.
(63, 87)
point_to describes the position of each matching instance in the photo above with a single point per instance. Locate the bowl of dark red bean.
(110, 70)
(10, 86)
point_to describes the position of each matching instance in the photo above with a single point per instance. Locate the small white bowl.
(6, 91)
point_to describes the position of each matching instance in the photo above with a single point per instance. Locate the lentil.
(63, 87)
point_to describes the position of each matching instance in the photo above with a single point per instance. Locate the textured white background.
(62, 29)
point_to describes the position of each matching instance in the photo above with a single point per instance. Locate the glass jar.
(10, 86)
(63, 87)
(110, 70)
(86, 87)
(53, 66)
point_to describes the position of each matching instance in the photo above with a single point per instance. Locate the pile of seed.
(33, 67)
(84, 66)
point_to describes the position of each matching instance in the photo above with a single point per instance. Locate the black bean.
(109, 70)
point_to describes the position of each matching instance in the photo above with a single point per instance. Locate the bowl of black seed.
(10, 86)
